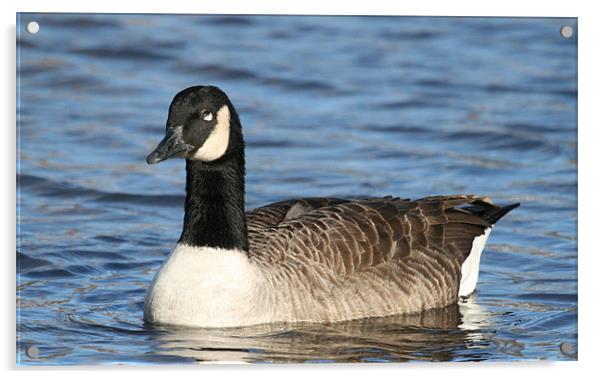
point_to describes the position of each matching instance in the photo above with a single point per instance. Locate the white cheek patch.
(217, 143)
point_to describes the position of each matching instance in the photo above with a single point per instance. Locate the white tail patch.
(217, 143)
(470, 267)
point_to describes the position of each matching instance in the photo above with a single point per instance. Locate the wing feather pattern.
(354, 258)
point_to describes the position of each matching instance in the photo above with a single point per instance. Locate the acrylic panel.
(330, 106)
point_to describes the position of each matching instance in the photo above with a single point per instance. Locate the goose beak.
(172, 145)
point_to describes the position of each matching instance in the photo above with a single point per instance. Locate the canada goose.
(306, 259)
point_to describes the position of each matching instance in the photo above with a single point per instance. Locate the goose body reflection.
(434, 335)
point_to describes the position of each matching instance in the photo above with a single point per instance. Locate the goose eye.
(206, 115)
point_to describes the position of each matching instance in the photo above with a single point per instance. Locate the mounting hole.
(566, 31)
(32, 352)
(33, 27)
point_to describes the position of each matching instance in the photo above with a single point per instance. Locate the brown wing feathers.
(355, 235)
(368, 257)
(273, 214)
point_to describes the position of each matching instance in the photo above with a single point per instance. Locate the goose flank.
(304, 259)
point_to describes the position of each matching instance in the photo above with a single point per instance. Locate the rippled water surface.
(345, 106)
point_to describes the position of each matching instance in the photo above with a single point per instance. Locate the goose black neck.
(214, 211)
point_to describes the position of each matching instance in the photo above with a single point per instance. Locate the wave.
(49, 188)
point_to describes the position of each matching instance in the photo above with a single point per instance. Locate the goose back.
(333, 259)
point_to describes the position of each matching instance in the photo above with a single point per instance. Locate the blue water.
(331, 106)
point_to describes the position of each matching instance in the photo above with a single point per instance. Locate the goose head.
(202, 125)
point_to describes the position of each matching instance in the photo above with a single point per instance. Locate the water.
(330, 106)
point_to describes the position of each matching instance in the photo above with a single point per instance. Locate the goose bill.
(171, 146)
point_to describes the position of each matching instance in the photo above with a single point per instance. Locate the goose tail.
(488, 211)
(498, 212)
